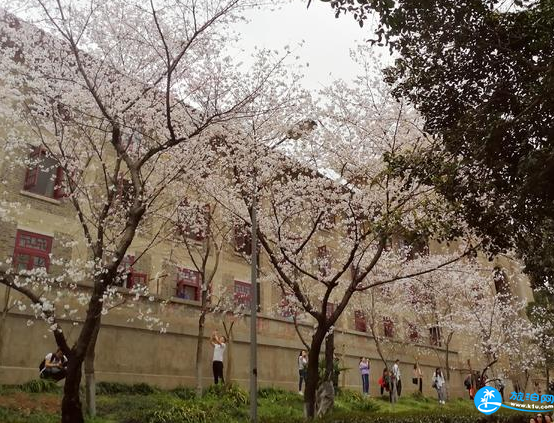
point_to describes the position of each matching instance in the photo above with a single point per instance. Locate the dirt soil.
(27, 403)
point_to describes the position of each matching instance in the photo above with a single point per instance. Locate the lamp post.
(254, 310)
(294, 133)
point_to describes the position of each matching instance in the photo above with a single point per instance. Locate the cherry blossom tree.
(111, 94)
(202, 232)
(328, 203)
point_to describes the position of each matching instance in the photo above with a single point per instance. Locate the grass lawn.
(37, 402)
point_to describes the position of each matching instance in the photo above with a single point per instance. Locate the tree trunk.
(90, 382)
(326, 391)
(72, 411)
(312, 375)
(5, 310)
(200, 353)
(447, 365)
(228, 365)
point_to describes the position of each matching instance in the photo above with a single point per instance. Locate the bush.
(354, 400)
(424, 418)
(278, 395)
(184, 392)
(272, 392)
(112, 388)
(39, 386)
(184, 413)
(232, 393)
(237, 395)
(348, 395)
(418, 396)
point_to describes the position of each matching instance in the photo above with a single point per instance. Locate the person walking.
(418, 377)
(219, 344)
(302, 368)
(364, 370)
(440, 385)
(396, 377)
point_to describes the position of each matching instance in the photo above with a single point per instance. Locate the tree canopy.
(482, 75)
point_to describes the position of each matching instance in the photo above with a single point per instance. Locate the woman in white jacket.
(440, 385)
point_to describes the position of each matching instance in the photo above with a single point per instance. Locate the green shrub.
(39, 386)
(233, 393)
(281, 396)
(112, 388)
(237, 395)
(184, 392)
(418, 396)
(348, 395)
(214, 391)
(272, 392)
(183, 413)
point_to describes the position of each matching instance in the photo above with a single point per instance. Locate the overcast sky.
(327, 40)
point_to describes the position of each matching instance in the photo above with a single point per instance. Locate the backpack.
(467, 382)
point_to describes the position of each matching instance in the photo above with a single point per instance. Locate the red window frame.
(190, 278)
(413, 332)
(360, 323)
(435, 336)
(133, 277)
(30, 251)
(32, 174)
(243, 240)
(243, 298)
(388, 327)
(284, 308)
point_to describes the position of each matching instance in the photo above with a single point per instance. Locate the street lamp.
(294, 133)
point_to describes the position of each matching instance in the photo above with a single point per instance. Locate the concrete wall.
(128, 353)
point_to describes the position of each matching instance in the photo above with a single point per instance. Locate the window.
(413, 332)
(360, 323)
(500, 281)
(388, 327)
(31, 251)
(44, 176)
(435, 336)
(323, 260)
(188, 284)
(130, 277)
(242, 294)
(285, 308)
(243, 240)
(193, 220)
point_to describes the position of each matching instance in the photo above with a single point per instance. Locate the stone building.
(43, 228)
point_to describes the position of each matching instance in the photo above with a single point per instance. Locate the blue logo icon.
(488, 400)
